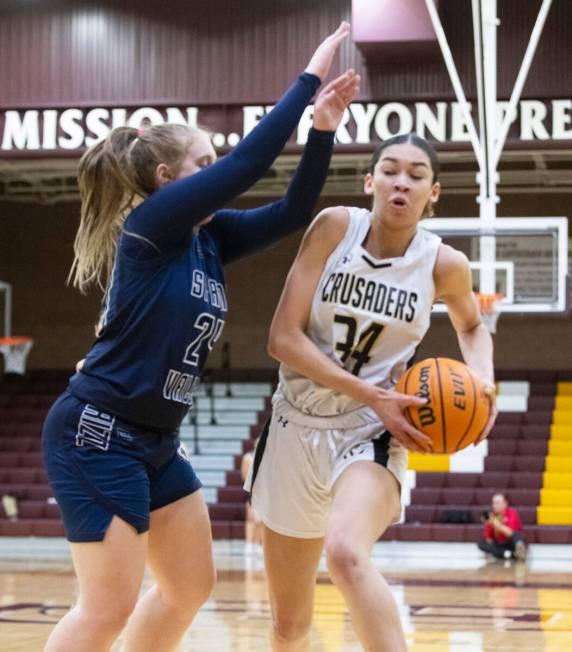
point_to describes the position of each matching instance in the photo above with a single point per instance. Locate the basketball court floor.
(451, 600)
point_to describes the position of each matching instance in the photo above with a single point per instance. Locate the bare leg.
(180, 556)
(109, 575)
(252, 530)
(366, 499)
(255, 524)
(291, 593)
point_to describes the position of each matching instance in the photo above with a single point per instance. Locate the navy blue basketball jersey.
(160, 321)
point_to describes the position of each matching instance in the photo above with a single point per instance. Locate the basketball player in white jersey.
(330, 466)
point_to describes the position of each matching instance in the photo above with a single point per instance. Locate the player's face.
(402, 185)
(201, 154)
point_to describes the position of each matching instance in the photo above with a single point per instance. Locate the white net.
(15, 351)
(490, 310)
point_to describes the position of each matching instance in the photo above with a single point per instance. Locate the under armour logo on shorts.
(283, 422)
(359, 449)
(94, 428)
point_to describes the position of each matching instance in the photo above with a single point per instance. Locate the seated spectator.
(503, 531)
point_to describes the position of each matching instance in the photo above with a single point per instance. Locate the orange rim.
(14, 341)
(487, 301)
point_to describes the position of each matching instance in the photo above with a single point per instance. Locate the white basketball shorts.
(299, 458)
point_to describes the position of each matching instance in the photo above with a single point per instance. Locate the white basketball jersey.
(368, 315)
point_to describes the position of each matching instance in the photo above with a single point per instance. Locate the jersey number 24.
(210, 329)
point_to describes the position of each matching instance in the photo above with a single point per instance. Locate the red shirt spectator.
(508, 517)
(504, 538)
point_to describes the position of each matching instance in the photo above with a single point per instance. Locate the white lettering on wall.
(176, 116)
(145, 114)
(362, 124)
(382, 120)
(118, 118)
(70, 124)
(429, 125)
(96, 123)
(21, 132)
(533, 113)
(560, 118)
(50, 129)
(363, 118)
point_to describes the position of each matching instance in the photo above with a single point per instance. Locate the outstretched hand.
(333, 100)
(324, 55)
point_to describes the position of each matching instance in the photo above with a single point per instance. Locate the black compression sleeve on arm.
(163, 222)
(242, 232)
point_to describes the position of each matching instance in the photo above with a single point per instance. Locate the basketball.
(457, 410)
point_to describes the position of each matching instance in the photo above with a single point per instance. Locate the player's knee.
(110, 617)
(208, 581)
(290, 629)
(344, 560)
(188, 592)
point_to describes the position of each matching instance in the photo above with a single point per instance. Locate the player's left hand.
(333, 100)
(490, 391)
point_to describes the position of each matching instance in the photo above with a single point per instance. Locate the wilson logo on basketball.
(426, 414)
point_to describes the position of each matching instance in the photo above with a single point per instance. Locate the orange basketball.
(457, 410)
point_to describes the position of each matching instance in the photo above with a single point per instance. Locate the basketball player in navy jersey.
(127, 491)
(329, 468)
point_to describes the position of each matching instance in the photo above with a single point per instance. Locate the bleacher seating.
(528, 456)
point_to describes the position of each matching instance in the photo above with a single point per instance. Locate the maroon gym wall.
(74, 53)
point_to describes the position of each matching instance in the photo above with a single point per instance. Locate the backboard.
(524, 259)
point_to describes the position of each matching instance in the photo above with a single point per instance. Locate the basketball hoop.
(15, 351)
(490, 309)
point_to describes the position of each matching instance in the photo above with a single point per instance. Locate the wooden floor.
(453, 607)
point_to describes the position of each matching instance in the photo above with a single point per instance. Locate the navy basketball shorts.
(99, 466)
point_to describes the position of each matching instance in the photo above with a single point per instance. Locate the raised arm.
(289, 343)
(242, 232)
(162, 223)
(453, 285)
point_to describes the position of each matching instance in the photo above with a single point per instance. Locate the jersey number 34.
(365, 342)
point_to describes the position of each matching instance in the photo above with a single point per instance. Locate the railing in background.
(225, 366)
(193, 417)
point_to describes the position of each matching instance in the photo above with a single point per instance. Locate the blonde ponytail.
(113, 176)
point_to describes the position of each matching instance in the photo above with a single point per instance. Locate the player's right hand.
(333, 99)
(322, 58)
(389, 407)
